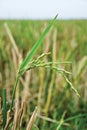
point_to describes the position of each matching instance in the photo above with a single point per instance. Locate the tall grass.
(39, 79)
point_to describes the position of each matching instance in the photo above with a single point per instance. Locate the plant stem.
(4, 108)
(13, 94)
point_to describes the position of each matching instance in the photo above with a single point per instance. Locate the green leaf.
(37, 44)
(4, 108)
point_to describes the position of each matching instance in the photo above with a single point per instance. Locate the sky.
(43, 9)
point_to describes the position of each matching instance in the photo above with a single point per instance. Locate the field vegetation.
(51, 93)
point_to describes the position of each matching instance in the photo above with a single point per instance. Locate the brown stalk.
(0, 78)
(10, 116)
(32, 120)
(15, 121)
(11, 38)
(20, 115)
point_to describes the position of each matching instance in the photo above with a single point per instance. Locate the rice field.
(51, 91)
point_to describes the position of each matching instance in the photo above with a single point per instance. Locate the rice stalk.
(1, 120)
(11, 38)
(21, 114)
(4, 112)
(32, 120)
(61, 121)
(16, 112)
(10, 115)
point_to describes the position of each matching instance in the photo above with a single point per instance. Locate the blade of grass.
(76, 116)
(32, 120)
(37, 44)
(61, 121)
(4, 108)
